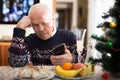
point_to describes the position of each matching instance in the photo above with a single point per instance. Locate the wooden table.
(9, 73)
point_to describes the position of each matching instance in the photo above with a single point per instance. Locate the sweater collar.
(54, 31)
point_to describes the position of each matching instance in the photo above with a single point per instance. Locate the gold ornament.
(104, 28)
(113, 24)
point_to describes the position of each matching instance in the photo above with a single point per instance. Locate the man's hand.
(60, 59)
(24, 22)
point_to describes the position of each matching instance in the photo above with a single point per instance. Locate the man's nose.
(41, 28)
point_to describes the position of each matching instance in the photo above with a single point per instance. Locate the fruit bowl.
(73, 78)
(78, 71)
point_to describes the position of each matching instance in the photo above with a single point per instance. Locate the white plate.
(52, 74)
(74, 78)
(50, 77)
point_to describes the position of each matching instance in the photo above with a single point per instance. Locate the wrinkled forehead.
(41, 18)
(46, 16)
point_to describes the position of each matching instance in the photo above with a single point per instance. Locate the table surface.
(9, 73)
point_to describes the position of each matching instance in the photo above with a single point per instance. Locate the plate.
(74, 78)
(52, 74)
(50, 77)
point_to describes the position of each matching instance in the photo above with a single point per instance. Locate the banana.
(66, 73)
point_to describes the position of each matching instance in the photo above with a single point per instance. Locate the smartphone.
(59, 49)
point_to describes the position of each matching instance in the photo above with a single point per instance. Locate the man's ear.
(54, 19)
(53, 16)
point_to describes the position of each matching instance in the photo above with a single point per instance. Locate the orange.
(67, 65)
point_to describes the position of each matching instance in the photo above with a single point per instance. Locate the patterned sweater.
(24, 50)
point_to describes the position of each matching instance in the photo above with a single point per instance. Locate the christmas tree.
(108, 44)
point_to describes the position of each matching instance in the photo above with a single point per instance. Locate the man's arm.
(18, 53)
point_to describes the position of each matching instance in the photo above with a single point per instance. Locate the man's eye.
(34, 25)
(45, 24)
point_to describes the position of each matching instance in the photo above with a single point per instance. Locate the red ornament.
(105, 76)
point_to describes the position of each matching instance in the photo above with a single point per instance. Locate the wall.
(6, 30)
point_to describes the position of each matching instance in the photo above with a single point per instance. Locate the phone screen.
(59, 49)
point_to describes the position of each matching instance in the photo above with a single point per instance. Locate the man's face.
(42, 25)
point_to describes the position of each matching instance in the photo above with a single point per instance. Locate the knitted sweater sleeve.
(18, 54)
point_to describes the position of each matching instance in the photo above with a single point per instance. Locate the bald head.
(39, 9)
